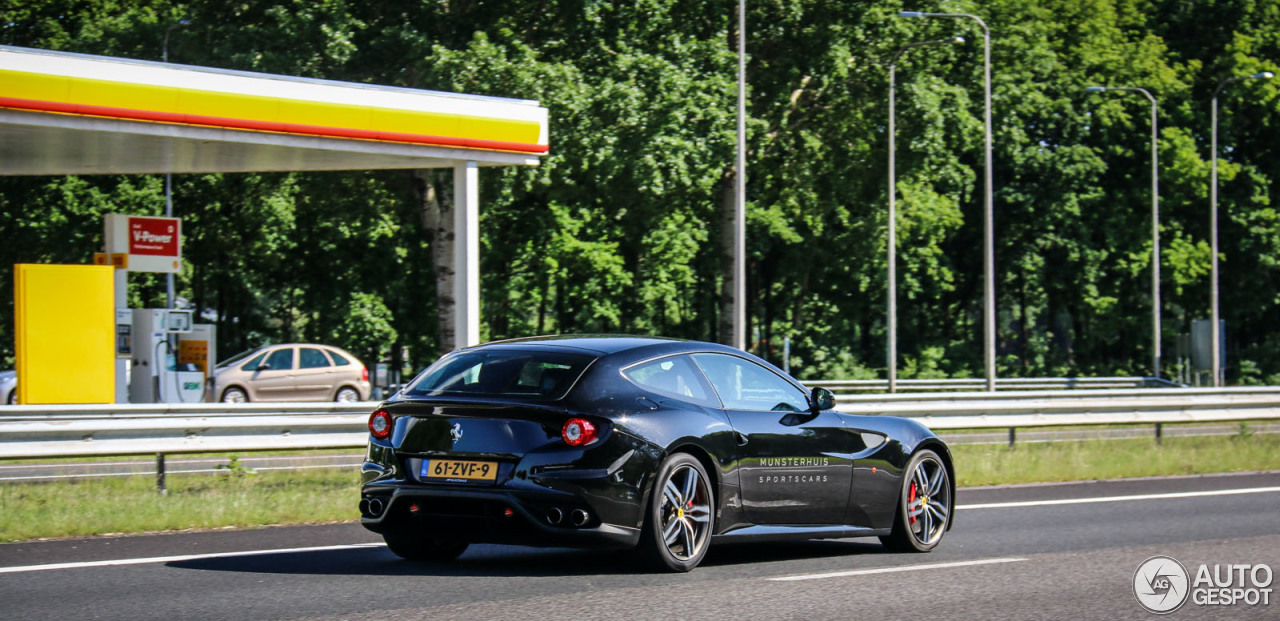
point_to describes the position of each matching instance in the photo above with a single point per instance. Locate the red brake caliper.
(911, 497)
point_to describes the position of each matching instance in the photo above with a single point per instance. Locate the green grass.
(1146, 427)
(105, 505)
(98, 506)
(989, 464)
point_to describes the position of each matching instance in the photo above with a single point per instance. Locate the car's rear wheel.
(924, 505)
(347, 394)
(234, 395)
(13, 397)
(423, 548)
(681, 515)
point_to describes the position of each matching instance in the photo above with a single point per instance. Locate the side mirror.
(822, 398)
(264, 366)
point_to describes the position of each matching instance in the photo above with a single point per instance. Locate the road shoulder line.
(1100, 499)
(182, 558)
(892, 570)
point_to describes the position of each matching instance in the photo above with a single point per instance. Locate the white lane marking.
(177, 559)
(892, 570)
(1083, 501)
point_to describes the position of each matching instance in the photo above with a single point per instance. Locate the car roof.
(602, 344)
(316, 345)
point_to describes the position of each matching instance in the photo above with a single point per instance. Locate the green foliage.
(366, 327)
(235, 469)
(618, 229)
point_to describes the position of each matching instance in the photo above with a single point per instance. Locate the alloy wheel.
(928, 501)
(685, 514)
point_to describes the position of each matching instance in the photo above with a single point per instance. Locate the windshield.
(537, 375)
(238, 357)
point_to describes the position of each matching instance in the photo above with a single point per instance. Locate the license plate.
(457, 469)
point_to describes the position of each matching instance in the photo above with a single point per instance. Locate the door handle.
(742, 439)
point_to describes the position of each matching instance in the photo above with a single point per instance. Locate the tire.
(234, 395)
(12, 399)
(680, 516)
(346, 394)
(922, 518)
(424, 549)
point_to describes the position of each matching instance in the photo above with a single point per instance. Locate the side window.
(281, 359)
(252, 365)
(338, 359)
(745, 385)
(310, 358)
(674, 376)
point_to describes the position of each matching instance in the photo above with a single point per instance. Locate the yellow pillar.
(65, 317)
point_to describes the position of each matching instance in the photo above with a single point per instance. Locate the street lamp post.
(1155, 222)
(892, 311)
(740, 193)
(988, 242)
(168, 182)
(1215, 331)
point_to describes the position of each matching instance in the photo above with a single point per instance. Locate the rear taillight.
(380, 424)
(364, 373)
(578, 432)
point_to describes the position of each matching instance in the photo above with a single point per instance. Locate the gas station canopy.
(74, 114)
(63, 113)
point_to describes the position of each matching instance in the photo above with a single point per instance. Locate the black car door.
(794, 463)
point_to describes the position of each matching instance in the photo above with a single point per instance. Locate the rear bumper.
(553, 495)
(491, 515)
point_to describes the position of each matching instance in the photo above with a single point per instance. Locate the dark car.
(660, 444)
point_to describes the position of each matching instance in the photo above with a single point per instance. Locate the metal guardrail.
(33, 431)
(980, 384)
(1081, 407)
(76, 431)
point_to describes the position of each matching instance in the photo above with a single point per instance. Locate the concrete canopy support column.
(466, 252)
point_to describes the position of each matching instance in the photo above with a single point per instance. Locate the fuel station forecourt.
(63, 113)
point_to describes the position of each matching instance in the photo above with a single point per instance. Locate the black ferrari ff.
(620, 441)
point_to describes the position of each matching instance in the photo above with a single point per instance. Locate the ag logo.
(1161, 584)
(456, 432)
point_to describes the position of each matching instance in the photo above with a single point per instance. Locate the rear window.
(529, 374)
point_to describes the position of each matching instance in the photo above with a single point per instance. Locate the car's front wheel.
(677, 529)
(234, 395)
(924, 505)
(422, 548)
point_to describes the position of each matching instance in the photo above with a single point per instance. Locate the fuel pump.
(157, 376)
(199, 347)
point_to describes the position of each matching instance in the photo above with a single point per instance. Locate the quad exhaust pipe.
(371, 507)
(577, 517)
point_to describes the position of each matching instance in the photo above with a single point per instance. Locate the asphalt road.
(1065, 551)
